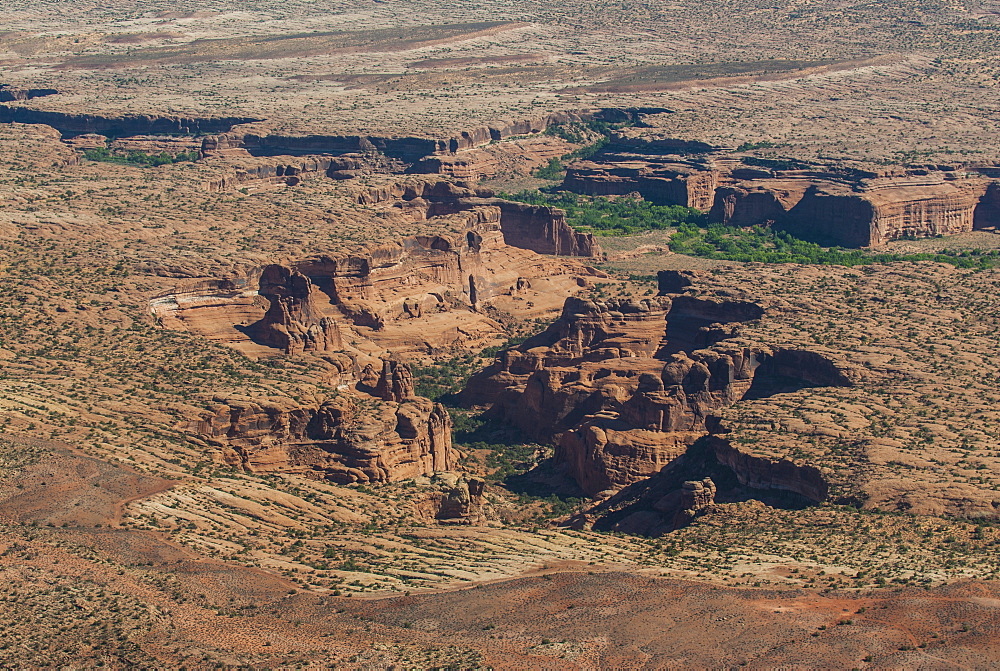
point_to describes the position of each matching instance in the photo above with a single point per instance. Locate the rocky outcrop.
(461, 500)
(987, 214)
(666, 181)
(115, 126)
(709, 474)
(293, 323)
(878, 211)
(472, 254)
(544, 230)
(623, 388)
(458, 263)
(409, 150)
(763, 473)
(516, 157)
(395, 383)
(10, 93)
(406, 149)
(292, 173)
(673, 511)
(829, 205)
(348, 438)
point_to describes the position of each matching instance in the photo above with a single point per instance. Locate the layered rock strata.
(661, 181)
(409, 150)
(836, 206)
(624, 387)
(292, 172)
(352, 437)
(70, 125)
(487, 248)
(709, 473)
(293, 322)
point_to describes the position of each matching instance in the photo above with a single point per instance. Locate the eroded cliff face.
(711, 472)
(513, 157)
(485, 249)
(624, 387)
(119, 126)
(409, 150)
(292, 172)
(833, 205)
(665, 181)
(293, 322)
(352, 437)
(762, 473)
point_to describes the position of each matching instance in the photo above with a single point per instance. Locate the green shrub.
(764, 245)
(619, 216)
(105, 155)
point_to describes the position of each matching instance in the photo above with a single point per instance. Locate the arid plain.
(293, 377)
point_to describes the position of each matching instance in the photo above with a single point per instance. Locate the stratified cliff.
(293, 322)
(624, 387)
(476, 249)
(660, 180)
(119, 126)
(352, 437)
(830, 205)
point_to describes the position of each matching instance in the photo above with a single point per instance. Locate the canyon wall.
(291, 173)
(10, 93)
(834, 206)
(406, 149)
(293, 322)
(116, 126)
(763, 473)
(486, 249)
(352, 437)
(661, 182)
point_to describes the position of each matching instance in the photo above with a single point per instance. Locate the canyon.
(829, 204)
(292, 377)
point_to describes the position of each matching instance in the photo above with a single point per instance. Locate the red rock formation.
(461, 500)
(395, 383)
(544, 230)
(885, 209)
(406, 149)
(291, 173)
(666, 181)
(349, 438)
(518, 157)
(987, 214)
(479, 253)
(292, 322)
(763, 473)
(623, 388)
(828, 205)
